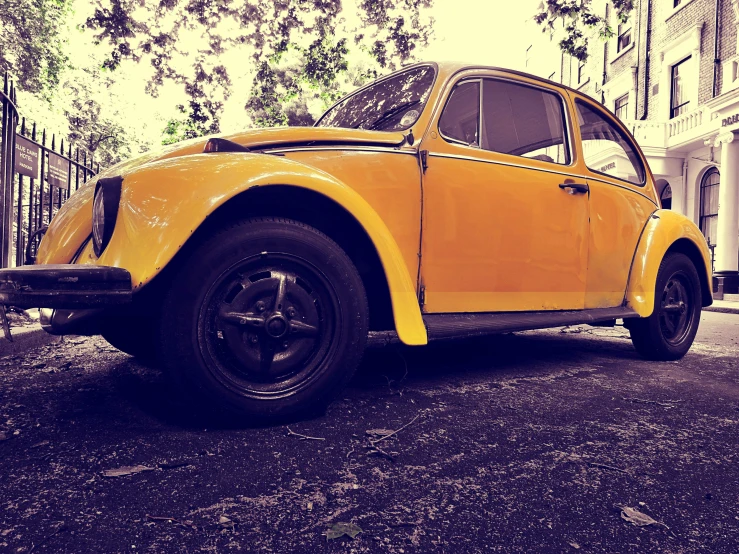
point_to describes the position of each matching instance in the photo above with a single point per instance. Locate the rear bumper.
(66, 286)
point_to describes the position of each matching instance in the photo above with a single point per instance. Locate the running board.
(447, 326)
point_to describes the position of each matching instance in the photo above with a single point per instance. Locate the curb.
(721, 309)
(25, 338)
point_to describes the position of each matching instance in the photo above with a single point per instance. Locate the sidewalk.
(729, 305)
(26, 332)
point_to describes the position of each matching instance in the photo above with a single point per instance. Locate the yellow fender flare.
(662, 230)
(164, 202)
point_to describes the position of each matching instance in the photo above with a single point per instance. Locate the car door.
(621, 200)
(505, 217)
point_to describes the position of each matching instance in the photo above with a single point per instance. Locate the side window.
(606, 147)
(461, 118)
(523, 121)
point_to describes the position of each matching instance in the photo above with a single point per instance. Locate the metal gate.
(36, 178)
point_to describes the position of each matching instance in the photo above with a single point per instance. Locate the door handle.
(575, 188)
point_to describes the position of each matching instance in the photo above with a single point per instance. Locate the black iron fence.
(36, 177)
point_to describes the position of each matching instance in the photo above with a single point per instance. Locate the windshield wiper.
(387, 114)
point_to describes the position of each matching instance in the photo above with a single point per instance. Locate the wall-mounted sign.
(730, 120)
(608, 166)
(58, 174)
(26, 157)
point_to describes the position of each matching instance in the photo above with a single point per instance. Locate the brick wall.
(663, 31)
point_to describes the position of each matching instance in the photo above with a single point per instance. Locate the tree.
(303, 54)
(579, 22)
(32, 43)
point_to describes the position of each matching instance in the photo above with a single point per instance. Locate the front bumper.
(67, 286)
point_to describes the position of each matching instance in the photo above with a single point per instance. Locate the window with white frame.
(624, 37)
(679, 98)
(621, 107)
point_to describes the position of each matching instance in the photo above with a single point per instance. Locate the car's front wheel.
(267, 318)
(669, 332)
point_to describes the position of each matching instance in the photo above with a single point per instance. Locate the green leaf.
(340, 529)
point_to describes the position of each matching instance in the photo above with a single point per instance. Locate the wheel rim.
(267, 324)
(676, 309)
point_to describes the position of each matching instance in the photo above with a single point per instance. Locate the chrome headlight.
(105, 211)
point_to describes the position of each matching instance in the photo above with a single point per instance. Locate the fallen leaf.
(574, 545)
(38, 444)
(225, 521)
(379, 432)
(340, 529)
(126, 470)
(3, 436)
(634, 516)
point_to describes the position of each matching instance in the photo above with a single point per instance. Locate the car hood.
(269, 138)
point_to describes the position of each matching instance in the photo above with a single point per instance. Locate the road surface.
(529, 442)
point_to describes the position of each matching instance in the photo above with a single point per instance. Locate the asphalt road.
(533, 442)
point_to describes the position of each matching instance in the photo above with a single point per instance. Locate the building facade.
(671, 74)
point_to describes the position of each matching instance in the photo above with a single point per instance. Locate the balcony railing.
(664, 134)
(685, 122)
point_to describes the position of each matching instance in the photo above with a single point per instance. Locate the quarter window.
(621, 108)
(606, 148)
(523, 121)
(709, 205)
(460, 121)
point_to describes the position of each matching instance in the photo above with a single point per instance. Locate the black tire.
(136, 336)
(266, 319)
(669, 332)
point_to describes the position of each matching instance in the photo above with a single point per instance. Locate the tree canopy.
(579, 21)
(32, 42)
(302, 54)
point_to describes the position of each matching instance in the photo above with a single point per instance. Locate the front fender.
(164, 202)
(663, 229)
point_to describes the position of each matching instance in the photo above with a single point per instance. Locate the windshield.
(392, 104)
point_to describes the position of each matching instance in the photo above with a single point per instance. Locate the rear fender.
(663, 230)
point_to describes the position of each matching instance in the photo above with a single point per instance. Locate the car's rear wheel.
(669, 332)
(267, 318)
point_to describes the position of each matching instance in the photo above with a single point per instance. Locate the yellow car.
(444, 200)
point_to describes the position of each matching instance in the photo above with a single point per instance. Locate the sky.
(492, 32)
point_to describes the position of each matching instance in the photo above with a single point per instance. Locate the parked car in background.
(441, 201)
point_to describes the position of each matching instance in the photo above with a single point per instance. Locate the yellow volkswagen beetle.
(444, 200)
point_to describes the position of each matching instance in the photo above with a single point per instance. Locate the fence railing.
(36, 178)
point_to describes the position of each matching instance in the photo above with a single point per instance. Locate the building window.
(622, 107)
(580, 68)
(528, 56)
(624, 37)
(551, 76)
(676, 3)
(678, 96)
(709, 205)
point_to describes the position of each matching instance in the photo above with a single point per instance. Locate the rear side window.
(460, 121)
(606, 148)
(523, 121)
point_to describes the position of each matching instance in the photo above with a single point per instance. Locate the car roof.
(450, 67)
